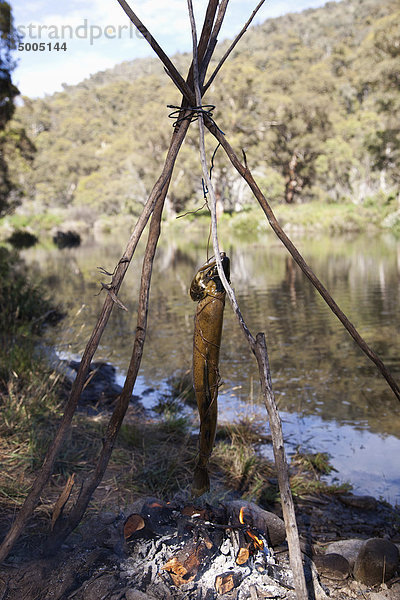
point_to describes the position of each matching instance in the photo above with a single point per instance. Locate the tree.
(8, 40)
(384, 48)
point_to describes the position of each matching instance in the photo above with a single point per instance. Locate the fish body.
(208, 291)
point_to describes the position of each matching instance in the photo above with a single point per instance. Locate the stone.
(360, 502)
(332, 566)
(101, 388)
(377, 561)
(350, 549)
(312, 580)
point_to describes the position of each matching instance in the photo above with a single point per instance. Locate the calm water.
(330, 396)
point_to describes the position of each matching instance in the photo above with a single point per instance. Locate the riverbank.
(373, 215)
(154, 457)
(327, 391)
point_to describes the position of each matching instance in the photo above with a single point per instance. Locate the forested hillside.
(313, 98)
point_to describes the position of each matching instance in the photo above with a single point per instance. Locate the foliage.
(30, 401)
(23, 312)
(317, 463)
(313, 98)
(22, 239)
(15, 148)
(29, 408)
(8, 39)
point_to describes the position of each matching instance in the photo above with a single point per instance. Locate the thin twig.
(232, 46)
(260, 350)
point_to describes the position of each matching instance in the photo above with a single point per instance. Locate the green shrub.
(23, 312)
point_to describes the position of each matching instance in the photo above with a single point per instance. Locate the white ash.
(143, 570)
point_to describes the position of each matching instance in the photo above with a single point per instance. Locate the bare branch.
(204, 40)
(288, 511)
(64, 527)
(212, 41)
(232, 46)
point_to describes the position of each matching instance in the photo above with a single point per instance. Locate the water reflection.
(321, 378)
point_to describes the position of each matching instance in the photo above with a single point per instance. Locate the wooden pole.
(282, 470)
(259, 348)
(64, 526)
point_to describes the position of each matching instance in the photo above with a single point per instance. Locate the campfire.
(184, 551)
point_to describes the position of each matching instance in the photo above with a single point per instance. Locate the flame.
(259, 544)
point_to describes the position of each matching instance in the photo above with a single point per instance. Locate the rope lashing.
(206, 110)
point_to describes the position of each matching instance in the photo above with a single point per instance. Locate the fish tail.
(201, 481)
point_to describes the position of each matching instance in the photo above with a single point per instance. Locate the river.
(330, 396)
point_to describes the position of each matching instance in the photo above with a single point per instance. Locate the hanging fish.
(208, 291)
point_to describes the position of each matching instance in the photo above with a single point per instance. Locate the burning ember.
(190, 552)
(258, 542)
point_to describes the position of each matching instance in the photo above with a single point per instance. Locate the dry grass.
(235, 454)
(151, 457)
(307, 470)
(28, 413)
(254, 477)
(155, 458)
